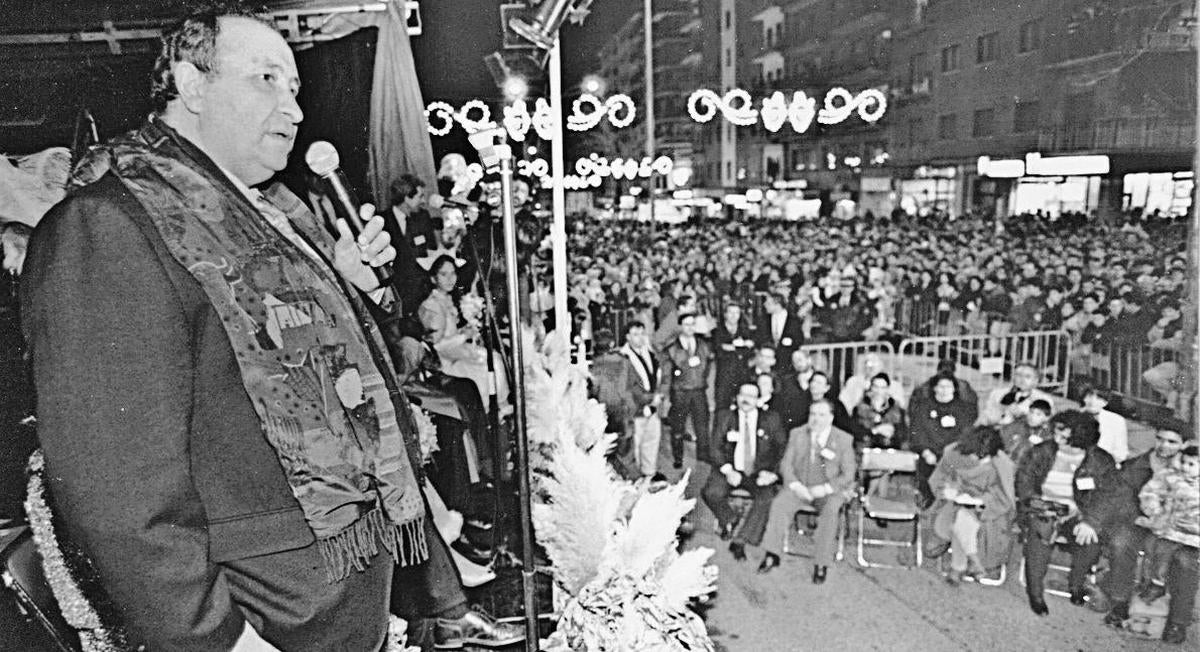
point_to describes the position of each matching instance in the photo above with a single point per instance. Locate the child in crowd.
(1171, 500)
(1023, 434)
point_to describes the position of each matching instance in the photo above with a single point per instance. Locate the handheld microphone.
(322, 158)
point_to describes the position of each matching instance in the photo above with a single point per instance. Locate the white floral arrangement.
(471, 307)
(426, 434)
(612, 544)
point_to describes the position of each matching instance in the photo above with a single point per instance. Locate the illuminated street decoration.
(586, 112)
(582, 120)
(738, 108)
(590, 172)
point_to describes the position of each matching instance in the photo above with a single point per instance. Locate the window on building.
(947, 126)
(1030, 36)
(985, 47)
(916, 68)
(984, 124)
(728, 57)
(728, 19)
(950, 58)
(1025, 117)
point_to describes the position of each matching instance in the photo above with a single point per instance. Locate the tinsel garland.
(76, 609)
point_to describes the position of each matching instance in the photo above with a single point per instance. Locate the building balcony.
(1144, 135)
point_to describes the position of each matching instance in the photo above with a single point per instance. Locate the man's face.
(687, 326)
(820, 416)
(1167, 444)
(520, 193)
(818, 386)
(415, 202)
(766, 359)
(1115, 306)
(732, 314)
(247, 110)
(637, 337)
(1024, 378)
(747, 397)
(801, 361)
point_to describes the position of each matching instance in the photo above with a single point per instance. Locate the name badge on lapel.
(694, 361)
(419, 240)
(732, 435)
(1085, 484)
(787, 341)
(828, 454)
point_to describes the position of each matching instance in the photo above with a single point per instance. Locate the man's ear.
(190, 82)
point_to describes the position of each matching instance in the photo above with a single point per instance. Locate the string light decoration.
(470, 124)
(738, 108)
(440, 111)
(586, 113)
(582, 120)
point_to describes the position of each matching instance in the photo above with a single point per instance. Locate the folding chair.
(1064, 569)
(805, 525)
(21, 573)
(888, 462)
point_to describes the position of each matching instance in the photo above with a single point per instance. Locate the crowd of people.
(699, 330)
(867, 279)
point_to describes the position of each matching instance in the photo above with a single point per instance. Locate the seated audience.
(818, 474)
(935, 423)
(1065, 488)
(746, 456)
(1022, 435)
(880, 421)
(1171, 503)
(976, 502)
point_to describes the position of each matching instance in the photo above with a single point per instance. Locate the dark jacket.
(1095, 505)
(768, 449)
(789, 340)
(928, 425)
(682, 372)
(866, 417)
(1131, 477)
(157, 461)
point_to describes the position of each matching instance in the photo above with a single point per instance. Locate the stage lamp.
(542, 28)
(594, 85)
(515, 87)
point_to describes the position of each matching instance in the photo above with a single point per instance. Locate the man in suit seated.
(746, 457)
(817, 473)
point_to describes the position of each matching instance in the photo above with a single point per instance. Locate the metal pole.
(558, 198)
(648, 28)
(528, 587)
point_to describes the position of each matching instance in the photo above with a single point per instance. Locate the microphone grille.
(322, 158)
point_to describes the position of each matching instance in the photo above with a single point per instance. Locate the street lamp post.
(648, 47)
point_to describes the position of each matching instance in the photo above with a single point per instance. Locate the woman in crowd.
(1065, 488)
(936, 420)
(456, 345)
(976, 501)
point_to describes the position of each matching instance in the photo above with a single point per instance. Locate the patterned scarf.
(311, 359)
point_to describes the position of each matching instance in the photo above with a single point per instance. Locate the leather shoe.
(738, 549)
(1038, 606)
(769, 562)
(678, 464)
(475, 628)
(1174, 633)
(819, 574)
(725, 531)
(1078, 597)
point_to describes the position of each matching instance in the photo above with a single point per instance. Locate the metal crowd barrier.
(987, 361)
(840, 359)
(1145, 377)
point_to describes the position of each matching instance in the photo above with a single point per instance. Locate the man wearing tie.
(747, 458)
(685, 373)
(817, 472)
(646, 378)
(780, 328)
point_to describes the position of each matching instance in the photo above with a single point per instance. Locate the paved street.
(885, 609)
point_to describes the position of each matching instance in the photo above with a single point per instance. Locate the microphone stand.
(528, 586)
